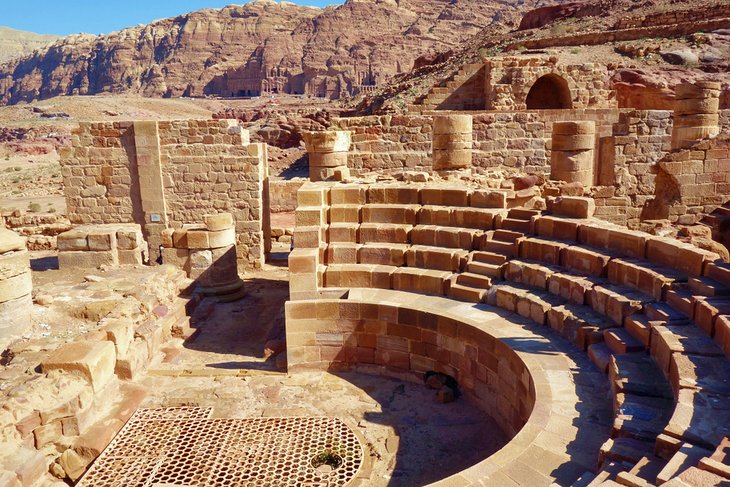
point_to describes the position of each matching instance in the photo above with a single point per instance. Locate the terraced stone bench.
(636, 304)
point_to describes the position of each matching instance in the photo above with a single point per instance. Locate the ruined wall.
(718, 11)
(519, 140)
(508, 82)
(692, 182)
(161, 174)
(283, 194)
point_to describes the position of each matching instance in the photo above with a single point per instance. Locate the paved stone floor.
(410, 438)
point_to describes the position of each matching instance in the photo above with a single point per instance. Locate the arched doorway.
(549, 92)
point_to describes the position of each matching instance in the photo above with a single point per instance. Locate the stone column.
(15, 287)
(572, 152)
(151, 189)
(328, 154)
(696, 113)
(452, 142)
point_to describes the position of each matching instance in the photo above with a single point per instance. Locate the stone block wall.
(166, 174)
(692, 182)
(283, 194)
(403, 342)
(91, 246)
(509, 80)
(520, 140)
(674, 17)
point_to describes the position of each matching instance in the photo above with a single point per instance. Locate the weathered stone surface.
(94, 361)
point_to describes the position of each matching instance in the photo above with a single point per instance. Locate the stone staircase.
(444, 89)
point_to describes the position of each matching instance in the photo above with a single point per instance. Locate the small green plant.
(52, 210)
(329, 458)
(17, 169)
(34, 207)
(575, 50)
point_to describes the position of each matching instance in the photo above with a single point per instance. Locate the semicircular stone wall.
(519, 377)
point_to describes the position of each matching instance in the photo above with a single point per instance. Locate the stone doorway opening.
(549, 92)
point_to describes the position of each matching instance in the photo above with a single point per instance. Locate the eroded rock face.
(16, 43)
(247, 50)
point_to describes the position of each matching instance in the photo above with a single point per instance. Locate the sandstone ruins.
(549, 258)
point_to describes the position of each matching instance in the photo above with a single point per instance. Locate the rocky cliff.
(260, 47)
(17, 43)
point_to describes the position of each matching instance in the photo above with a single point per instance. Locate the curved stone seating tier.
(530, 383)
(633, 302)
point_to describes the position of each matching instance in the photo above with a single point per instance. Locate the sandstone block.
(72, 240)
(393, 194)
(94, 361)
(311, 194)
(10, 241)
(572, 206)
(14, 263)
(102, 239)
(73, 464)
(348, 195)
(166, 238)
(176, 257)
(198, 239)
(201, 259)
(46, 434)
(342, 232)
(452, 124)
(131, 238)
(180, 238)
(87, 260)
(445, 196)
(16, 287)
(222, 238)
(484, 198)
(344, 214)
(310, 216)
(574, 128)
(130, 257)
(121, 333)
(28, 464)
(312, 237)
(218, 222)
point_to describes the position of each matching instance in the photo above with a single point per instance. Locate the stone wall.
(407, 342)
(674, 17)
(520, 140)
(283, 194)
(692, 182)
(166, 174)
(510, 82)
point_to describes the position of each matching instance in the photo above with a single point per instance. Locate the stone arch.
(550, 91)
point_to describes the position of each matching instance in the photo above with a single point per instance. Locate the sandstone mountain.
(262, 46)
(18, 43)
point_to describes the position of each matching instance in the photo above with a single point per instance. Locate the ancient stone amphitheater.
(516, 258)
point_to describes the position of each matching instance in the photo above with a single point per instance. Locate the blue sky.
(63, 17)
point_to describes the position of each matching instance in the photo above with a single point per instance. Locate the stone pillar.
(207, 253)
(452, 142)
(696, 113)
(151, 189)
(328, 154)
(16, 285)
(572, 152)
